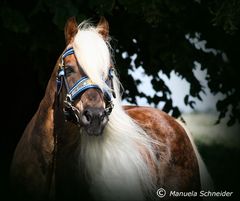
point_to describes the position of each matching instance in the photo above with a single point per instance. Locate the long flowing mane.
(114, 161)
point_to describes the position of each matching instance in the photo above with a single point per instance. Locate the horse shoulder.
(32, 158)
(178, 162)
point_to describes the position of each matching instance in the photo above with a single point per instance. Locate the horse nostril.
(94, 117)
(94, 120)
(86, 117)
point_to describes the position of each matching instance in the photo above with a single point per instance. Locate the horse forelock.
(92, 53)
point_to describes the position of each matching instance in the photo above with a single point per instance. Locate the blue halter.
(80, 87)
(82, 84)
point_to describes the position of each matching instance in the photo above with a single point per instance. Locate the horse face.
(87, 107)
(84, 103)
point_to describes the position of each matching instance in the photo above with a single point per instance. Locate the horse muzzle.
(93, 120)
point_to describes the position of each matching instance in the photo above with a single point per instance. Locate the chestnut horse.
(82, 143)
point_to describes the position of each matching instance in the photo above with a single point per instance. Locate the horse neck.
(61, 137)
(43, 122)
(50, 92)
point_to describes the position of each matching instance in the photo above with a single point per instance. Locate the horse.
(82, 143)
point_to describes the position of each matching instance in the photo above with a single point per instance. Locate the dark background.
(32, 39)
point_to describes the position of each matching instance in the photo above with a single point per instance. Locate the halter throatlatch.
(83, 84)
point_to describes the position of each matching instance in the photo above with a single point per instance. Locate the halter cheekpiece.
(82, 85)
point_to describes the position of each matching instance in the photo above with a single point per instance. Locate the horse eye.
(68, 70)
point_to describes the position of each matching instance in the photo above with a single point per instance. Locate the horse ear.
(70, 29)
(103, 27)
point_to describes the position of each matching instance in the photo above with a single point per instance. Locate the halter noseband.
(82, 85)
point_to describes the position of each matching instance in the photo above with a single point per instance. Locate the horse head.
(84, 78)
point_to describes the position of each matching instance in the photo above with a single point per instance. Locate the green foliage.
(35, 30)
(226, 15)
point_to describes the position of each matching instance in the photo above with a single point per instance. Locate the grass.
(219, 148)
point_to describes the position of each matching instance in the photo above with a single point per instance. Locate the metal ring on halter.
(71, 113)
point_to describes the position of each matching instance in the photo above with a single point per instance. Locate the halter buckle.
(71, 113)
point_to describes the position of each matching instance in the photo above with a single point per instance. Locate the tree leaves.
(159, 29)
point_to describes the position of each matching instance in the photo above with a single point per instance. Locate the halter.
(82, 85)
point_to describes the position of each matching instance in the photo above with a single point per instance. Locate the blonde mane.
(115, 167)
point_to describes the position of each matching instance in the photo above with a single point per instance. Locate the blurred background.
(181, 56)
